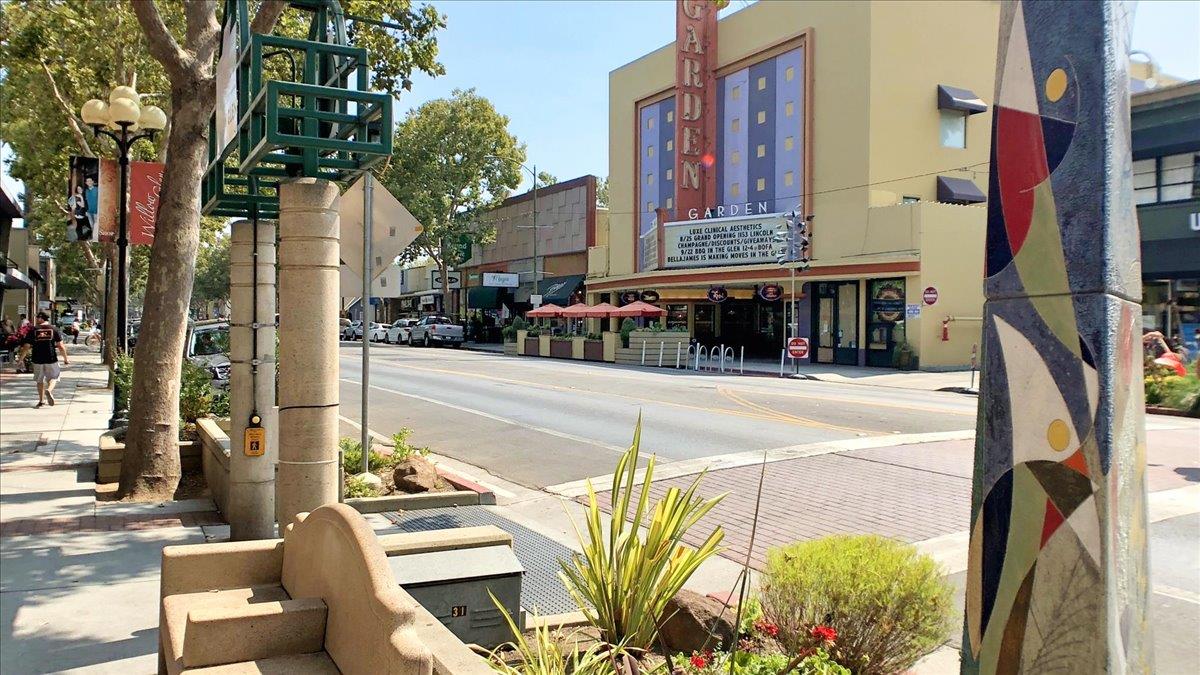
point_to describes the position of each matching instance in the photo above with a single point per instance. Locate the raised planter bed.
(593, 350)
(465, 493)
(111, 451)
(560, 349)
(531, 346)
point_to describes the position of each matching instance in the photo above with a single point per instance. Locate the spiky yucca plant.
(623, 580)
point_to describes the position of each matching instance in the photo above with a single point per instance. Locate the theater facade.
(872, 119)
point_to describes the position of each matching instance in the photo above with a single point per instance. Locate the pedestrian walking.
(44, 340)
(23, 330)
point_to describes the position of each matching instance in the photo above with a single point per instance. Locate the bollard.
(661, 345)
(678, 348)
(782, 354)
(721, 360)
(643, 352)
(742, 360)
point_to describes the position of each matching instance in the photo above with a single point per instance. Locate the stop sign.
(798, 347)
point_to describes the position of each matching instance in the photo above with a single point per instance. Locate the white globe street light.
(125, 121)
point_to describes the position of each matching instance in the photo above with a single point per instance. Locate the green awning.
(483, 297)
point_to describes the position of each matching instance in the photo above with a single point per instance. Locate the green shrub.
(594, 336)
(519, 323)
(887, 602)
(196, 396)
(509, 333)
(627, 327)
(1172, 391)
(757, 663)
(195, 393)
(623, 579)
(357, 487)
(402, 449)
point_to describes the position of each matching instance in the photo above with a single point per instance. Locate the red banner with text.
(145, 183)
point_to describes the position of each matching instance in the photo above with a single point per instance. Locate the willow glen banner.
(145, 182)
(743, 240)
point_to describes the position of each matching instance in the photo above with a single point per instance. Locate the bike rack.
(701, 352)
(661, 345)
(724, 351)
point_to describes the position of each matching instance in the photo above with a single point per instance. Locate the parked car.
(435, 330)
(378, 331)
(208, 346)
(352, 330)
(398, 332)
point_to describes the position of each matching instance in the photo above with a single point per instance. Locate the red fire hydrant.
(945, 330)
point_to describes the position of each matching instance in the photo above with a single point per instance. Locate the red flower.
(824, 633)
(766, 628)
(699, 660)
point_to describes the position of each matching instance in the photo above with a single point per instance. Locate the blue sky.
(545, 64)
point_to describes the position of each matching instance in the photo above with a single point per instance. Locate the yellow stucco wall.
(875, 117)
(952, 241)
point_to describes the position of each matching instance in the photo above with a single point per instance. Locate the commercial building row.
(874, 121)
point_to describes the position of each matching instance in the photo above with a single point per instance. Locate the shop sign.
(887, 300)
(718, 294)
(930, 296)
(650, 296)
(630, 296)
(535, 300)
(501, 280)
(454, 280)
(695, 104)
(798, 348)
(426, 300)
(721, 241)
(912, 311)
(770, 292)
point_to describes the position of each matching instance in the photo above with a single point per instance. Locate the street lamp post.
(126, 122)
(533, 174)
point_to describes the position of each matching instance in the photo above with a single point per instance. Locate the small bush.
(352, 457)
(520, 323)
(357, 487)
(887, 602)
(195, 393)
(402, 448)
(754, 663)
(627, 327)
(1172, 390)
(509, 333)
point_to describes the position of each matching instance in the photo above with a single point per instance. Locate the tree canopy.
(453, 157)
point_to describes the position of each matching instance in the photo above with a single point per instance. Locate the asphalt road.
(542, 422)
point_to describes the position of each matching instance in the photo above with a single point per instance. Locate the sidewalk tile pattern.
(60, 525)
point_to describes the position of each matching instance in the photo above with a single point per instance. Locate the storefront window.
(677, 317)
(847, 336)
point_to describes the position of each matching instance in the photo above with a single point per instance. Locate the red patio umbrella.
(546, 311)
(575, 311)
(600, 311)
(639, 308)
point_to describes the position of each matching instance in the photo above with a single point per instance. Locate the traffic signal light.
(793, 240)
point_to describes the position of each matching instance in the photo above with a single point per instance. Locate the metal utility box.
(454, 585)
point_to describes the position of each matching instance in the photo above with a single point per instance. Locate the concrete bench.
(320, 600)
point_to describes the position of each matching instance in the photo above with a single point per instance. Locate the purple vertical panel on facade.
(648, 138)
(789, 88)
(666, 158)
(762, 134)
(736, 109)
(719, 164)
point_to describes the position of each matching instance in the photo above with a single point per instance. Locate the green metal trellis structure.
(321, 122)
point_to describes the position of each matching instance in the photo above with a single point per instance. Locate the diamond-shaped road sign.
(393, 228)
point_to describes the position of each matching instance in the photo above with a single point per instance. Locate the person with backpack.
(44, 340)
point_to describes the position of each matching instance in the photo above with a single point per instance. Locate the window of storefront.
(952, 128)
(677, 317)
(835, 322)
(885, 320)
(1169, 178)
(706, 322)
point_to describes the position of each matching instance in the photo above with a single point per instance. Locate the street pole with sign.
(794, 240)
(368, 315)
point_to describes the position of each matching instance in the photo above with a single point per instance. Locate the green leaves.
(623, 579)
(441, 170)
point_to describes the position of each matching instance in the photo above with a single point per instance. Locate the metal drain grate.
(541, 588)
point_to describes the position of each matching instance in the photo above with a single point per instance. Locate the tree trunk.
(150, 468)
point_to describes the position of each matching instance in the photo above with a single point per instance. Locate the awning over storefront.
(958, 191)
(483, 297)
(954, 98)
(557, 290)
(12, 279)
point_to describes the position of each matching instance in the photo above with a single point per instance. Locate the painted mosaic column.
(1057, 578)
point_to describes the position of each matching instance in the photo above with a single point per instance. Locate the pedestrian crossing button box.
(453, 585)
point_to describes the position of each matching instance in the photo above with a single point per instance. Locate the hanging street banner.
(83, 199)
(145, 183)
(227, 107)
(743, 240)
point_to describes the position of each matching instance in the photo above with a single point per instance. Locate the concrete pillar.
(308, 346)
(1057, 572)
(252, 477)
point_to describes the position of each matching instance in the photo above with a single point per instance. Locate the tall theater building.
(873, 119)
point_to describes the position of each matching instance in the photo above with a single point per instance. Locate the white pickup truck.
(435, 330)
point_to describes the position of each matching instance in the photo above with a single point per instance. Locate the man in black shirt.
(45, 339)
